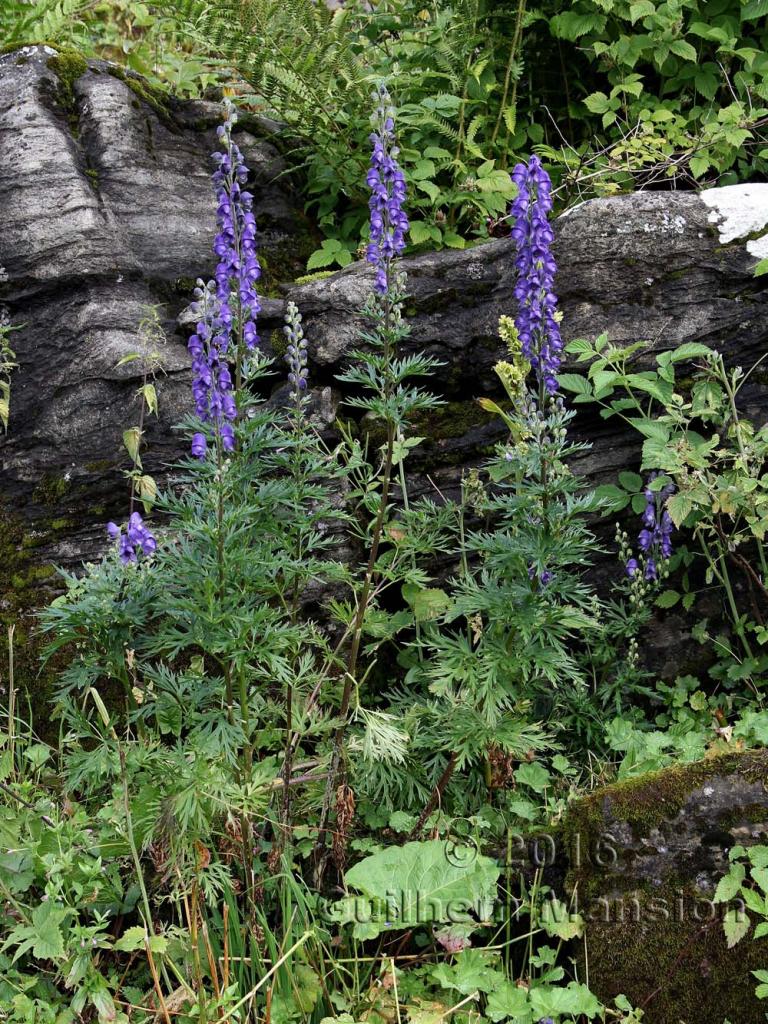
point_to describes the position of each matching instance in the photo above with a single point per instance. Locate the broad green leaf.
(682, 49)
(667, 599)
(149, 394)
(131, 940)
(615, 496)
(428, 603)
(508, 1000)
(630, 481)
(419, 232)
(533, 775)
(575, 382)
(427, 881)
(470, 972)
(690, 350)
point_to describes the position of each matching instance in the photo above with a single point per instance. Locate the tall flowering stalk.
(382, 378)
(227, 307)
(537, 319)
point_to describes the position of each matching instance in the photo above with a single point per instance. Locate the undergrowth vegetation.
(307, 718)
(611, 94)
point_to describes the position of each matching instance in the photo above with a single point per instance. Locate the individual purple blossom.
(536, 320)
(199, 445)
(388, 221)
(655, 538)
(545, 577)
(137, 537)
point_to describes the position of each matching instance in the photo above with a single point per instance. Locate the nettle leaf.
(679, 507)
(131, 940)
(149, 394)
(736, 924)
(132, 442)
(730, 884)
(575, 382)
(684, 50)
(667, 599)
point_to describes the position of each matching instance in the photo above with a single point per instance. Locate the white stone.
(738, 211)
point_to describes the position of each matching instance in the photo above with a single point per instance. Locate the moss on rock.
(645, 855)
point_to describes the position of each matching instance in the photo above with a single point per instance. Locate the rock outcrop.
(107, 209)
(646, 856)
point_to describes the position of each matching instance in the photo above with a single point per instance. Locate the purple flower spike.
(228, 302)
(536, 319)
(136, 538)
(655, 539)
(389, 223)
(238, 268)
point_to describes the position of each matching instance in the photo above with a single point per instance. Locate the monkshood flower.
(655, 538)
(389, 223)
(296, 353)
(238, 268)
(537, 318)
(211, 381)
(137, 537)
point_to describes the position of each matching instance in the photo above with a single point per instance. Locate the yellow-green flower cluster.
(513, 372)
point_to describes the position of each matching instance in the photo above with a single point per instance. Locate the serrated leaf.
(667, 599)
(684, 50)
(630, 481)
(131, 940)
(419, 232)
(730, 884)
(320, 258)
(427, 603)
(575, 382)
(149, 394)
(679, 507)
(735, 925)
(132, 442)
(690, 350)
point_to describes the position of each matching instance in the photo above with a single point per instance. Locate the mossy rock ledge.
(646, 856)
